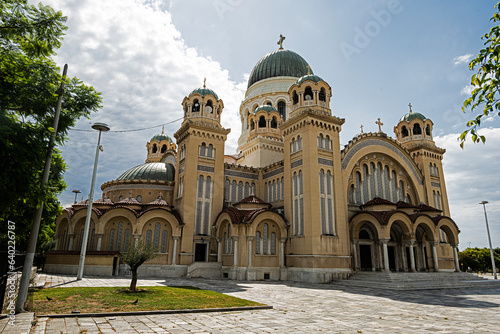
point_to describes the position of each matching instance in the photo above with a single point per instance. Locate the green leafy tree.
(478, 259)
(135, 257)
(485, 82)
(29, 79)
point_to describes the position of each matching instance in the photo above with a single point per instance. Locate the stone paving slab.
(299, 308)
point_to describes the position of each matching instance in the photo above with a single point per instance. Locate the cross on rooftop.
(204, 82)
(362, 128)
(308, 69)
(280, 42)
(409, 105)
(379, 125)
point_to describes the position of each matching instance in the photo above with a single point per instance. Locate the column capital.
(384, 240)
(99, 235)
(411, 242)
(283, 240)
(250, 237)
(455, 244)
(176, 237)
(235, 237)
(355, 241)
(433, 243)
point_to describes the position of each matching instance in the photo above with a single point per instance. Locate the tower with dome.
(292, 204)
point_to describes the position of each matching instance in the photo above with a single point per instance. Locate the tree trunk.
(133, 284)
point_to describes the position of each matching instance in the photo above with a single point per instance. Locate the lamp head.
(484, 202)
(100, 126)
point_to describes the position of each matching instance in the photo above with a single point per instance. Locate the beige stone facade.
(292, 204)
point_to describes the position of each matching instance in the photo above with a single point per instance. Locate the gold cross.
(379, 125)
(409, 105)
(280, 42)
(204, 82)
(362, 128)
(308, 69)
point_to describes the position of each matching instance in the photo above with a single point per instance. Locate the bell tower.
(314, 200)
(414, 132)
(199, 187)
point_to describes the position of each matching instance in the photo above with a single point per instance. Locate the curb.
(203, 310)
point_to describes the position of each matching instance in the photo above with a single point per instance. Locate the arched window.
(269, 104)
(149, 237)
(252, 125)
(322, 95)
(404, 131)
(154, 149)
(209, 107)
(257, 242)
(308, 94)
(196, 106)
(233, 191)
(299, 143)
(139, 198)
(295, 98)
(203, 147)
(262, 122)
(210, 151)
(240, 191)
(120, 198)
(247, 190)
(163, 148)
(320, 141)
(328, 143)
(164, 236)
(282, 109)
(417, 130)
(274, 124)
(265, 240)
(227, 189)
(428, 130)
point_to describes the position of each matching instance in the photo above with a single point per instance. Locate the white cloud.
(131, 52)
(465, 59)
(471, 177)
(467, 90)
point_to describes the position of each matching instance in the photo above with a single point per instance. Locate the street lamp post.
(489, 240)
(100, 127)
(76, 191)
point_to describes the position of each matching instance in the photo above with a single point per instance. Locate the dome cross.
(409, 105)
(379, 123)
(280, 42)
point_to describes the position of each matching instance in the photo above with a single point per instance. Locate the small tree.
(135, 257)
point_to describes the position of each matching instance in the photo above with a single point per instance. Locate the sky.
(378, 56)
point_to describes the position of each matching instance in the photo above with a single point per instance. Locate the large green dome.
(157, 171)
(279, 63)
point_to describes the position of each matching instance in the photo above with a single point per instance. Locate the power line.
(133, 130)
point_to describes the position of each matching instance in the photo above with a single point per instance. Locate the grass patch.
(120, 299)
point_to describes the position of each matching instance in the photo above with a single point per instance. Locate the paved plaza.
(298, 308)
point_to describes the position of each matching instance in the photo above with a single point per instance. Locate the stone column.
(355, 254)
(57, 243)
(412, 256)
(455, 257)
(174, 250)
(99, 241)
(282, 252)
(235, 250)
(219, 249)
(434, 255)
(71, 238)
(249, 250)
(386, 254)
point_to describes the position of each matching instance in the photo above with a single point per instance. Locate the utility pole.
(30, 251)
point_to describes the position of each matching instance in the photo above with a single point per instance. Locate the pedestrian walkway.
(298, 308)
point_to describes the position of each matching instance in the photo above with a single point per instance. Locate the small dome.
(157, 171)
(204, 91)
(412, 115)
(279, 63)
(161, 137)
(312, 77)
(266, 108)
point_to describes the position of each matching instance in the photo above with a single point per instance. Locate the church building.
(292, 204)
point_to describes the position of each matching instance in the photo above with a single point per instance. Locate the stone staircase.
(418, 280)
(204, 270)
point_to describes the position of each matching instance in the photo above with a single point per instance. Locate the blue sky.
(145, 56)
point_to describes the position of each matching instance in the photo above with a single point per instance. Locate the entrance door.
(200, 252)
(392, 257)
(365, 255)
